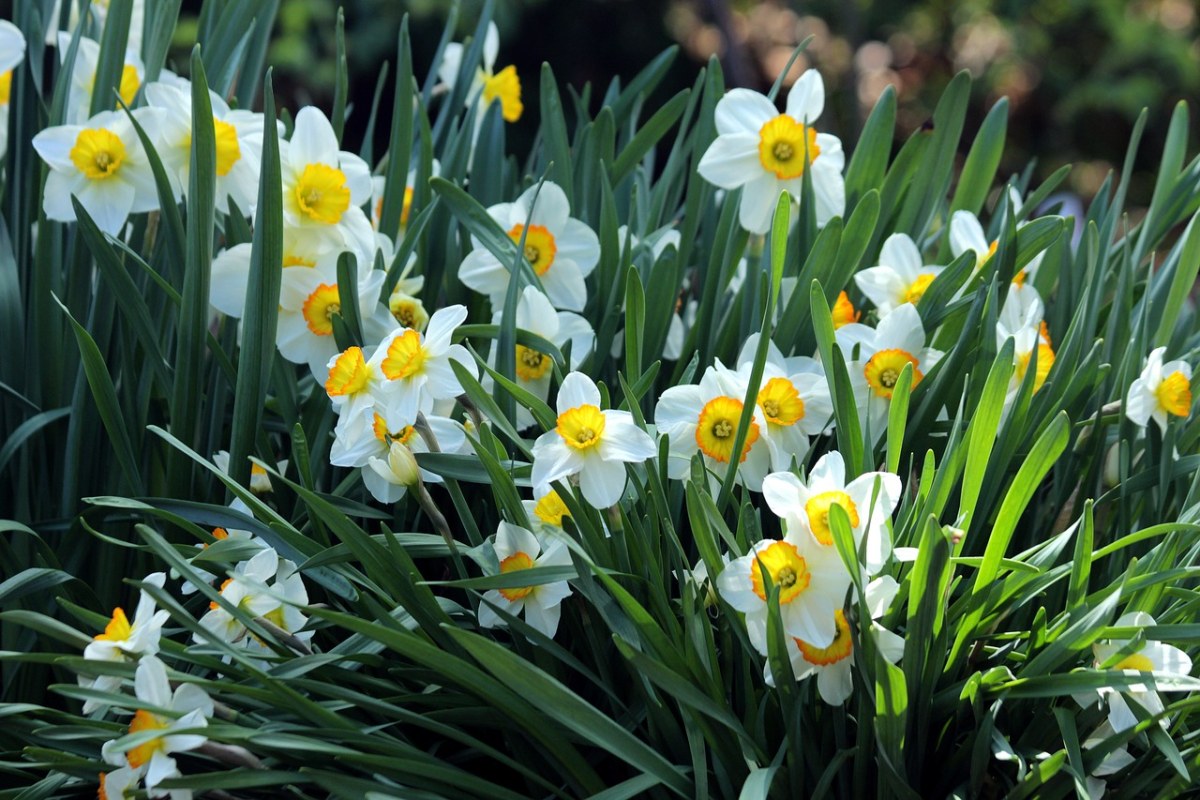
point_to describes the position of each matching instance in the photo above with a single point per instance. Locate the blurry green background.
(1076, 72)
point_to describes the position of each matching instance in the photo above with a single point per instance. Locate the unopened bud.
(400, 468)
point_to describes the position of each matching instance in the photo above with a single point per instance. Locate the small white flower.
(562, 250)
(705, 418)
(265, 586)
(488, 86)
(1021, 319)
(260, 481)
(593, 444)
(188, 708)
(966, 234)
(123, 638)
(1155, 657)
(102, 163)
(1160, 392)
(899, 339)
(363, 440)
(901, 277)
(12, 53)
(518, 549)
(545, 514)
(811, 581)
(83, 77)
(805, 506)
(536, 315)
(764, 152)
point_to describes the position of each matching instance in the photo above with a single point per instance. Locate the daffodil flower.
(705, 418)
(417, 367)
(119, 784)
(264, 586)
(122, 638)
(536, 315)
(1162, 391)
(811, 581)
(546, 512)
(102, 163)
(260, 481)
(239, 140)
(83, 77)
(966, 234)
(901, 277)
(187, 708)
(519, 549)
(805, 505)
(12, 53)
(832, 664)
(882, 352)
(488, 86)
(303, 249)
(379, 185)
(562, 251)
(764, 153)
(593, 444)
(793, 398)
(1153, 657)
(362, 440)
(1021, 319)
(324, 188)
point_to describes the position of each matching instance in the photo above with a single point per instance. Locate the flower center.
(298, 261)
(844, 312)
(322, 194)
(716, 429)
(1045, 360)
(143, 720)
(531, 364)
(408, 311)
(1174, 393)
(5, 87)
(983, 258)
(782, 142)
(130, 83)
(405, 356)
(98, 153)
(581, 427)
(840, 648)
(118, 628)
(540, 248)
(551, 509)
(780, 402)
(349, 375)
(1136, 661)
(883, 370)
(320, 307)
(228, 149)
(517, 561)
(403, 436)
(505, 86)
(817, 509)
(787, 568)
(917, 290)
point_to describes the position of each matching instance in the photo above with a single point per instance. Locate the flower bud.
(400, 468)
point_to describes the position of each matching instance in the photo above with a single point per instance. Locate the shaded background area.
(1076, 72)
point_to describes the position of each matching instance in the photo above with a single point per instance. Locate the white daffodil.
(562, 251)
(303, 250)
(901, 277)
(1154, 657)
(805, 505)
(793, 398)
(12, 53)
(765, 153)
(1021, 319)
(417, 367)
(593, 444)
(546, 512)
(102, 163)
(518, 549)
(239, 141)
(83, 78)
(487, 86)
(379, 184)
(187, 708)
(119, 784)
(324, 188)
(1160, 392)
(122, 637)
(536, 315)
(260, 481)
(811, 581)
(264, 586)
(832, 664)
(966, 234)
(308, 301)
(705, 418)
(406, 308)
(882, 352)
(221, 535)
(364, 439)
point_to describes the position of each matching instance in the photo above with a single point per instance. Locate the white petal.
(313, 140)
(731, 160)
(577, 390)
(623, 440)
(743, 111)
(806, 100)
(759, 197)
(602, 482)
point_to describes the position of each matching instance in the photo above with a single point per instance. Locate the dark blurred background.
(1076, 72)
